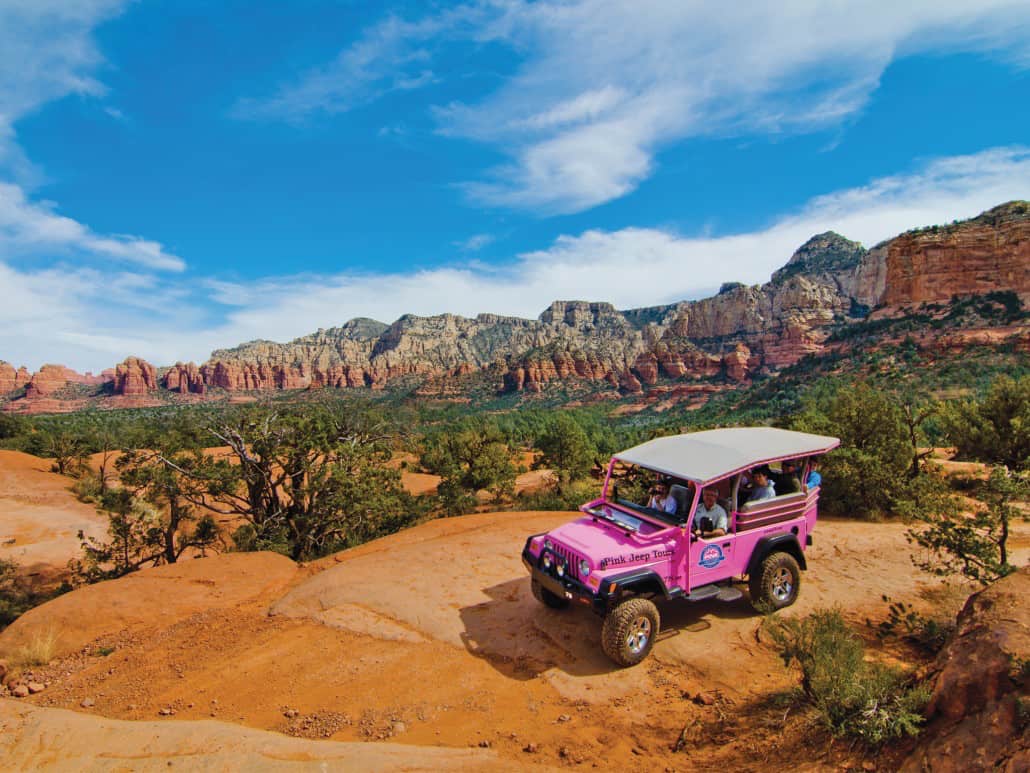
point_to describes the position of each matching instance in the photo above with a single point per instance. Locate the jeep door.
(711, 560)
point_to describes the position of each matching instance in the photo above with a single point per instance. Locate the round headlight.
(561, 569)
(584, 567)
(546, 561)
(548, 545)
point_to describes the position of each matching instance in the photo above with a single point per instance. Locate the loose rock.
(20, 691)
(87, 703)
(35, 687)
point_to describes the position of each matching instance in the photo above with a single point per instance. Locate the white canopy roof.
(715, 453)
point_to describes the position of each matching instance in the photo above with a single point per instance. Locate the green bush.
(867, 701)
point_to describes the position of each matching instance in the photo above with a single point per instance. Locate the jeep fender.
(784, 543)
(636, 583)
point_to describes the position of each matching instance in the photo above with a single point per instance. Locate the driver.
(711, 509)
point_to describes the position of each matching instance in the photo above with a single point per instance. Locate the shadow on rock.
(522, 638)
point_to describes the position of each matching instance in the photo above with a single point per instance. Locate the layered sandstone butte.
(11, 379)
(52, 378)
(135, 378)
(184, 378)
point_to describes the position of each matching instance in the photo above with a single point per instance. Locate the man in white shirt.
(710, 508)
(661, 499)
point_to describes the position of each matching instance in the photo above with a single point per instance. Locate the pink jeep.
(628, 550)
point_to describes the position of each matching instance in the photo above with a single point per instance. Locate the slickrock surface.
(40, 739)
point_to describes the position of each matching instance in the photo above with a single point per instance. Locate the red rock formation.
(51, 378)
(184, 378)
(736, 363)
(134, 378)
(11, 379)
(979, 692)
(989, 252)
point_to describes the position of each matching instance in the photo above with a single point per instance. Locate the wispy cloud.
(83, 319)
(29, 227)
(389, 56)
(475, 243)
(606, 85)
(602, 86)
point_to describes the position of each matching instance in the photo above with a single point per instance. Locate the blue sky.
(181, 176)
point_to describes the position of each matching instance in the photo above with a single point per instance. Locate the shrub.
(904, 622)
(867, 701)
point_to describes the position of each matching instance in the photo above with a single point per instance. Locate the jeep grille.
(571, 560)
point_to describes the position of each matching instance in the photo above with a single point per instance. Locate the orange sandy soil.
(39, 516)
(417, 646)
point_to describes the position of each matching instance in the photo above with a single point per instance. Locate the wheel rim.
(639, 635)
(783, 584)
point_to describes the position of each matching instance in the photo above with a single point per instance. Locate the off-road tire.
(629, 631)
(776, 583)
(546, 597)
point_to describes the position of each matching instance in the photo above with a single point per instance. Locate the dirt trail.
(430, 638)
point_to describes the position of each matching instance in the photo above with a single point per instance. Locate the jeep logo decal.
(711, 557)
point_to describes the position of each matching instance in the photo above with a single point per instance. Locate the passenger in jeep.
(709, 508)
(661, 499)
(761, 487)
(787, 482)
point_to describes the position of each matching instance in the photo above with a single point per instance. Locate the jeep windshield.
(640, 496)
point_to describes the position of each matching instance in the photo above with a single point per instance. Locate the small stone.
(869, 766)
(399, 727)
(530, 748)
(484, 744)
(20, 691)
(35, 687)
(563, 752)
(704, 699)
(166, 711)
(564, 718)
(131, 707)
(87, 703)
(290, 713)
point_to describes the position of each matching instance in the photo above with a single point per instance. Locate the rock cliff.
(738, 333)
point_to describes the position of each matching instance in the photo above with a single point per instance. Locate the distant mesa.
(741, 332)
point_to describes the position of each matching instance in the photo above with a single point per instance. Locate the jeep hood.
(595, 539)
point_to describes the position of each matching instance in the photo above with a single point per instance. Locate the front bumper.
(562, 587)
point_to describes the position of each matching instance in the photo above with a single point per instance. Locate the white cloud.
(602, 86)
(31, 227)
(607, 84)
(90, 321)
